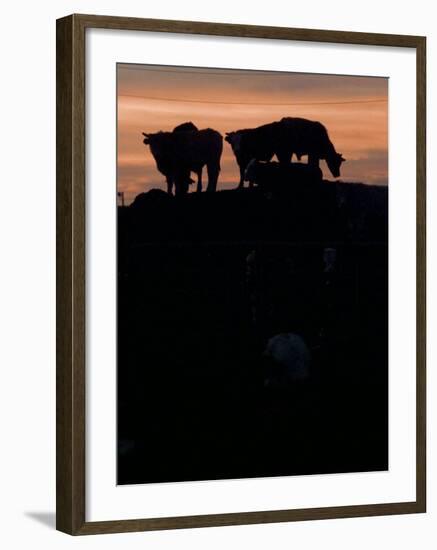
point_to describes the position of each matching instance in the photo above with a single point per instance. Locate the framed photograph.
(240, 274)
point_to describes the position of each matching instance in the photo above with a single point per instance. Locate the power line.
(265, 104)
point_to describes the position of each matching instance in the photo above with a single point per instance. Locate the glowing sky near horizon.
(150, 98)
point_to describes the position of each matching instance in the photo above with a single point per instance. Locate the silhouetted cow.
(162, 163)
(181, 152)
(252, 143)
(307, 137)
(284, 138)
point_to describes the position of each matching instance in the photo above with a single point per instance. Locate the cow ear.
(145, 135)
(342, 158)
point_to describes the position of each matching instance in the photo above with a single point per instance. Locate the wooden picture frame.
(71, 254)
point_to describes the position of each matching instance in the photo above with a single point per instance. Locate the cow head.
(156, 139)
(159, 142)
(334, 162)
(234, 139)
(161, 148)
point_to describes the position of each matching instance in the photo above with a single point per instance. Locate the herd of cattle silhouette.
(187, 149)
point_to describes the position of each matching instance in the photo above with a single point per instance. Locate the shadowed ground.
(204, 281)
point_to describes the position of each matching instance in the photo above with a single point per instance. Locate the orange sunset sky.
(152, 98)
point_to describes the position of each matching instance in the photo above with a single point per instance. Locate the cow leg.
(181, 187)
(213, 173)
(242, 170)
(284, 157)
(182, 182)
(313, 160)
(169, 186)
(199, 181)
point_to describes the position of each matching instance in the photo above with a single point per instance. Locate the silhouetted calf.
(270, 175)
(183, 151)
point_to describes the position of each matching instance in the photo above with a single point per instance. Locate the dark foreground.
(204, 282)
